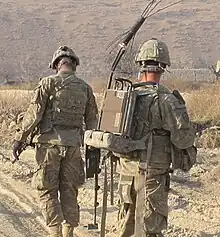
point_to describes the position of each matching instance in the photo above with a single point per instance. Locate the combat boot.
(67, 230)
(55, 231)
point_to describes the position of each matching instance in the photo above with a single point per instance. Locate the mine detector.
(115, 118)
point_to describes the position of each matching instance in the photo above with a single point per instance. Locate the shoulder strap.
(177, 94)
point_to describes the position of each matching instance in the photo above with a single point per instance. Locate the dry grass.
(22, 86)
(183, 85)
(204, 106)
(202, 103)
(210, 138)
(202, 99)
(99, 85)
(12, 102)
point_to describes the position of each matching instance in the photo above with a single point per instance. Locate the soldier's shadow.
(203, 234)
(186, 182)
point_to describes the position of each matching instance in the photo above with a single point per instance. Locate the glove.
(18, 147)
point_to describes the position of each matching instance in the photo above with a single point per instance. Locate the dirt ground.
(194, 200)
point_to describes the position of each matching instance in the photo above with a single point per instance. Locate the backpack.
(120, 144)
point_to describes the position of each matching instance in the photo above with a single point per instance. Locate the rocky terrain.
(32, 30)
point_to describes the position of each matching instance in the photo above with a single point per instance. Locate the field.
(32, 30)
(189, 199)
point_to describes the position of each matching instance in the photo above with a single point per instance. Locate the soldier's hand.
(18, 147)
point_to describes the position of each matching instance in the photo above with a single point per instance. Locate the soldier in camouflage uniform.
(58, 109)
(217, 70)
(165, 117)
(218, 66)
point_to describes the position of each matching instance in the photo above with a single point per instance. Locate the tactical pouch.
(183, 159)
(113, 142)
(40, 180)
(161, 152)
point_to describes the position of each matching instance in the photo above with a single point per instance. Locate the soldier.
(58, 109)
(162, 119)
(217, 71)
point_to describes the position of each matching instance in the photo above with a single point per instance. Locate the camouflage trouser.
(60, 172)
(156, 203)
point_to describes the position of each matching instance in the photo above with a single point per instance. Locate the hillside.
(32, 30)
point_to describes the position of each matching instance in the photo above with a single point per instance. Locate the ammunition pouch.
(183, 159)
(113, 142)
(161, 152)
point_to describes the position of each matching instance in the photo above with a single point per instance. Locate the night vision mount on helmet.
(63, 51)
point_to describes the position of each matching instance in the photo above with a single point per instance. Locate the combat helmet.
(63, 51)
(153, 50)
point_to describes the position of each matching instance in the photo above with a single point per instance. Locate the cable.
(161, 9)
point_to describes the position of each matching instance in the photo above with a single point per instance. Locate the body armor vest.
(147, 114)
(148, 117)
(66, 105)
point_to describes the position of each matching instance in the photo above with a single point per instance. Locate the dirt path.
(194, 201)
(19, 211)
(19, 216)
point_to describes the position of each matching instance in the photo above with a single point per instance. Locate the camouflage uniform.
(167, 119)
(59, 107)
